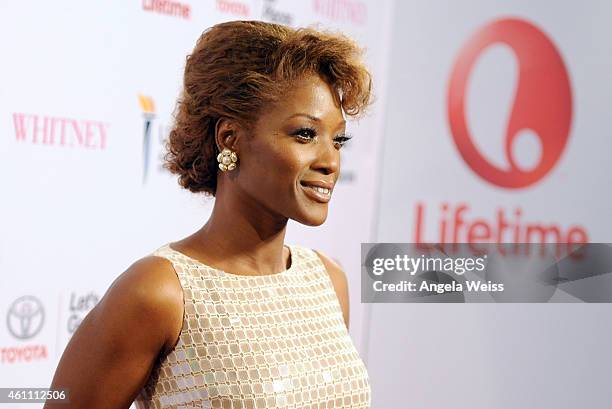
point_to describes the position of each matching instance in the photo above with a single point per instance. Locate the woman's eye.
(305, 133)
(308, 134)
(340, 141)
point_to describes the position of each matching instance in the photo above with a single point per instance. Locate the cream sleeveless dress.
(272, 341)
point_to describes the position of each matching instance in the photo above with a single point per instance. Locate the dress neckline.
(292, 259)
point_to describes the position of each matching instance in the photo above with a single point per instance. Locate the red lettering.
(23, 354)
(479, 230)
(233, 7)
(89, 135)
(20, 127)
(342, 10)
(34, 128)
(77, 131)
(103, 135)
(171, 8)
(63, 132)
(458, 222)
(418, 223)
(44, 129)
(474, 236)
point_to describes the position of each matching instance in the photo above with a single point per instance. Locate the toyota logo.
(25, 317)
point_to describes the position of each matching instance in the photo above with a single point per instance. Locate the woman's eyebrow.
(314, 118)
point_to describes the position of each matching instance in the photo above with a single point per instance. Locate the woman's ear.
(227, 134)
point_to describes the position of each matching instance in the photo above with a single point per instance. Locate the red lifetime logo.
(542, 103)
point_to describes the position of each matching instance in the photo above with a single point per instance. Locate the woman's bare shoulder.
(109, 357)
(151, 286)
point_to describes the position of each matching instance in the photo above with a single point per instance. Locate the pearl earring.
(227, 160)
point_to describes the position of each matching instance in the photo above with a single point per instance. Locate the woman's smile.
(319, 191)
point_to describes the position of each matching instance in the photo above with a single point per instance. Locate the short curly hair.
(238, 67)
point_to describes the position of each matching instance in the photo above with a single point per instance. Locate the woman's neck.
(242, 238)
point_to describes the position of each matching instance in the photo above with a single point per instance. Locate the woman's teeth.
(320, 194)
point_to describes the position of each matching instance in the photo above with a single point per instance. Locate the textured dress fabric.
(266, 341)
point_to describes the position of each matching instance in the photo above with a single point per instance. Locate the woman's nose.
(328, 158)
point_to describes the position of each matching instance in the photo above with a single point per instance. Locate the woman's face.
(291, 163)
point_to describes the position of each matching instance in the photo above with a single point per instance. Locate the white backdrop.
(502, 356)
(76, 212)
(76, 209)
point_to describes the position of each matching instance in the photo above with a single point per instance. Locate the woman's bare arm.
(110, 356)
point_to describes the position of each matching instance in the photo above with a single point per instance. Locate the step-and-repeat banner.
(84, 84)
(498, 129)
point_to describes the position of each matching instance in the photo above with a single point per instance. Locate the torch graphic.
(148, 112)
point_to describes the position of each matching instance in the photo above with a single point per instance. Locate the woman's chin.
(312, 217)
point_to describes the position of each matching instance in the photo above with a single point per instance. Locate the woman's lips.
(318, 194)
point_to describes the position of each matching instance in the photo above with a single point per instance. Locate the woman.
(250, 322)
